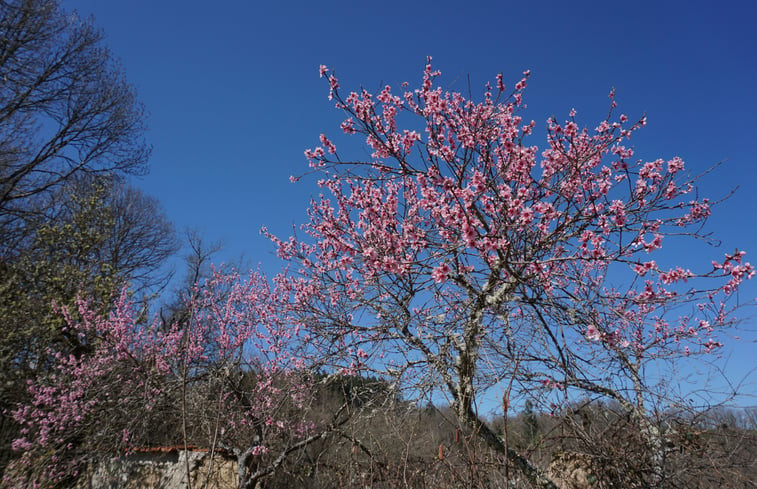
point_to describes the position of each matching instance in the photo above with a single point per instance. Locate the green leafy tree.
(95, 235)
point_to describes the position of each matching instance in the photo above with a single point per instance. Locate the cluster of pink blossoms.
(459, 206)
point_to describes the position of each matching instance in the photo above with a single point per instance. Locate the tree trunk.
(531, 473)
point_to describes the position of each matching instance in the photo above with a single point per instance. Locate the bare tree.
(65, 106)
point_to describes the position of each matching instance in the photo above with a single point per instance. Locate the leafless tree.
(65, 107)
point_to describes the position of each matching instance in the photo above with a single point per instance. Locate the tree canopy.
(65, 106)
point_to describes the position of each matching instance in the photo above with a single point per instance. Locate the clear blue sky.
(234, 96)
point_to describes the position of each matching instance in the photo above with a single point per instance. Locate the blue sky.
(234, 97)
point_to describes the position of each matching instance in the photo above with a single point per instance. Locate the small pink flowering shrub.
(232, 372)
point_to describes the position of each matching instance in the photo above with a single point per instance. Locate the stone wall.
(164, 469)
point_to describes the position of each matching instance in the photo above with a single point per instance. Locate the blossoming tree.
(232, 377)
(475, 258)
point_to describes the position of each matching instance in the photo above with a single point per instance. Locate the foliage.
(93, 236)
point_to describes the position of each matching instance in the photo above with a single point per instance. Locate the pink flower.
(259, 450)
(329, 145)
(592, 333)
(675, 165)
(348, 126)
(439, 274)
(500, 82)
(333, 86)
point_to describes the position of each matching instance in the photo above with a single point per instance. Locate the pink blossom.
(440, 273)
(348, 126)
(259, 450)
(592, 333)
(329, 145)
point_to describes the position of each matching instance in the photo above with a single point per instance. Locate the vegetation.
(456, 262)
(70, 126)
